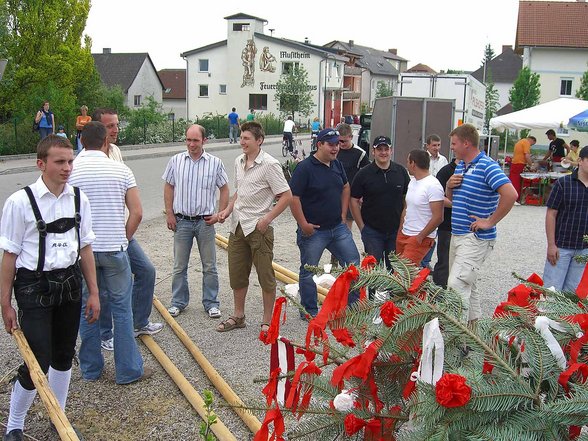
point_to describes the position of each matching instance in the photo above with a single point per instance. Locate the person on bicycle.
(315, 129)
(289, 128)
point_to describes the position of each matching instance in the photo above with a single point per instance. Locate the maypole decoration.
(404, 366)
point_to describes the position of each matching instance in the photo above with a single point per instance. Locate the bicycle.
(284, 147)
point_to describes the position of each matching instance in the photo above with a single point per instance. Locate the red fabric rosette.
(452, 391)
(389, 313)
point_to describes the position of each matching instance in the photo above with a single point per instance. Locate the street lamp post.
(3, 64)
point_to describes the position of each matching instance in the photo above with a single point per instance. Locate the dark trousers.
(290, 138)
(441, 272)
(49, 316)
(379, 244)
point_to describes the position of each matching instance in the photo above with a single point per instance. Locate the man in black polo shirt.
(566, 223)
(319, 204)
(557, 147)
(441, 272)
(382, 185)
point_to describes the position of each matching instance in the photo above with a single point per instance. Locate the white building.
(134, 73)
(242, 72)
(553, 40)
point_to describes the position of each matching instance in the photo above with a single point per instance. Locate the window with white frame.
(137, 100)
(203, 90)
(203, 65)
(565, 88)
(222, 89)
(288, 66)
(241, 26)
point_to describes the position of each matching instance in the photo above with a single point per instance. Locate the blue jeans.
(565, 275)
(339, 242)
(186, 231)
(379, 244)
(45, 132)
(427, 259)
(233, 132)
(143, 290)
(113, 271)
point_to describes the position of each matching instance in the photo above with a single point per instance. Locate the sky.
(441, 34)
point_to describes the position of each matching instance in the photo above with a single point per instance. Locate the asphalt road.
(148, 172)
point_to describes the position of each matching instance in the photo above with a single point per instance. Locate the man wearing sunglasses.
(320, 199)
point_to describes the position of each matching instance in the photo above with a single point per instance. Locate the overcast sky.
(442, 34)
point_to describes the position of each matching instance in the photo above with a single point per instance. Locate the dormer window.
(241, 26)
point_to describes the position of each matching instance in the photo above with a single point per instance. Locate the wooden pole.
(282, 274)
(219, 429)
(58, 418)
(219, 383)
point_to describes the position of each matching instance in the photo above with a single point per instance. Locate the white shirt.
(437, 163)
(289, 125)
(195, 182)
(106, 183)
(418, 211)
(19, 234)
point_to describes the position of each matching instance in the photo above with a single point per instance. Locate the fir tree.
(516, 376)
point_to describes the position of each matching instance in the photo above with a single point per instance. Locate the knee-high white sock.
(20, 402)
(59, 383)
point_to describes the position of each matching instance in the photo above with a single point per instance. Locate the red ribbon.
(368, 263)
(582, 289)
(354, 424)
(418, 281)
(271, 388)
(344, 337)
(359, 366)
(271, 335)
(308, 368)
(333, 306)
(271, 416)
(564, 377)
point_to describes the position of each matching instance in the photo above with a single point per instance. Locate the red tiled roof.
(421, 68)
(552, 24)
(173, 80)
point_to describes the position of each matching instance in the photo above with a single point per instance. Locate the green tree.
(488, 54)
(491, 100)
(293, 93)
(582, 92)
(525, 91)
(42, 40)
(383, 90)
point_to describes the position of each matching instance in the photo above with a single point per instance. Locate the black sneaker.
(14, 435)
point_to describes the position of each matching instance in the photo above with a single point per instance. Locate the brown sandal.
(231, 323)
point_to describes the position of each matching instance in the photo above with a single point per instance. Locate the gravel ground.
(155, 409)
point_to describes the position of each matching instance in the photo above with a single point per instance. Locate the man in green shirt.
(251, 115)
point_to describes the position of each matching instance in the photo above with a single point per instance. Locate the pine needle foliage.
(513, 376)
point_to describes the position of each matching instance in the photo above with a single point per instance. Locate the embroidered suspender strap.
(41, 227)
(78, 217)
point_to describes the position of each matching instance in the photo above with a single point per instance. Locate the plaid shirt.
(569, 197)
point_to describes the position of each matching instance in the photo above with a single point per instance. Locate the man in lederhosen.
(46, 233)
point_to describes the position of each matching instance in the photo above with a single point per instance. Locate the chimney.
(393, 51)
(351, 42)
(506, 47)
(106, 50)
(306, 40)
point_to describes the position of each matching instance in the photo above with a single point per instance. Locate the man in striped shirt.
(481, 195)
(259, 180)
(141, 267)
(191, 180)
(110, 187)
(566, 223)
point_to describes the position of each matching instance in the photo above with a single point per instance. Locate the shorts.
(254, 249)
(407, 246)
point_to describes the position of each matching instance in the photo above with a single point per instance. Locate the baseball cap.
(382, 140)
(329, 135)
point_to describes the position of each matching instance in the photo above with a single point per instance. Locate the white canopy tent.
(550, 115)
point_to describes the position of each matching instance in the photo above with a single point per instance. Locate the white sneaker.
(149, 329)
(107, 345)
(214, 312)
(174, 311)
